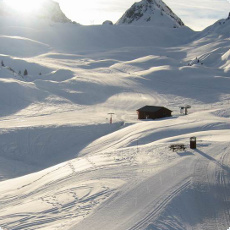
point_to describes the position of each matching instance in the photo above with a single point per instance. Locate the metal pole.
(111, 117)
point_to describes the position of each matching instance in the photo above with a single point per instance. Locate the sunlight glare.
(24, 6)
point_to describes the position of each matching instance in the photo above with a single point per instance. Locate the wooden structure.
(177, 147)
(153, 112)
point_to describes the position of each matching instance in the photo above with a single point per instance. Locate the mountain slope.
(221, 27)
(73, 38)
(150, 12)
(210, 47)
(48, 9)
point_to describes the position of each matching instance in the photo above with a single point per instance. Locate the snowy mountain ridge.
(49, 9)
(150, 12)
(221, 27)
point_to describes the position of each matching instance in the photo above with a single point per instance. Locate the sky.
(197, 14)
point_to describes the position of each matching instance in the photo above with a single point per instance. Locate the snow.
(63, 166)
(149, 13)
(47, 9)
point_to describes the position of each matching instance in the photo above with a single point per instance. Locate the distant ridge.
(221, 27)
(151, 12)
(49, 10)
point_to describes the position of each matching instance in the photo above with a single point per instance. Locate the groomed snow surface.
(64, 167)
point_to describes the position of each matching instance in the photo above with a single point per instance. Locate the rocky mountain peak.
(151, 12)
(49, 9)
(52, 10)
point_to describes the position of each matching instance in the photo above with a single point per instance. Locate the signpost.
(111, 118)
(185, 108)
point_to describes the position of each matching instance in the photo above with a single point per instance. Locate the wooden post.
(111, 118)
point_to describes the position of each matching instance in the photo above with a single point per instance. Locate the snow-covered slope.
(221, 27)
(151, 12)
(211, 46)
(64, 166)
(74, 38)
(123, 185)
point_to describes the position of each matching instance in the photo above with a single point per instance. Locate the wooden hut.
(153, 112)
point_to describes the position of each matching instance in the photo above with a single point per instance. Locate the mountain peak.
(151, 12)
(52, 10)
(48, 9)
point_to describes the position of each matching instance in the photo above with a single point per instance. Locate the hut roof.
(148, 108)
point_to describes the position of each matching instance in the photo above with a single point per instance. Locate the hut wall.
(154, 115)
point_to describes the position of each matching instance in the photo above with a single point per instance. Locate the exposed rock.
(49, 10)
(151, 12)
(107, 22)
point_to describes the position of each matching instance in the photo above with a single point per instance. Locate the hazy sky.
(196, 14)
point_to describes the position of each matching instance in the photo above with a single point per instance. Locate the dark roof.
(148, 108)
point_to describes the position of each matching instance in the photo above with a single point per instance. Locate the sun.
(24, 6)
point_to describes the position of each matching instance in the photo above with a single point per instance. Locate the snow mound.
(16, 95)
(59, 75)
(14, 66)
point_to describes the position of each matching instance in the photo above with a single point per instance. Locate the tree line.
(25, 73)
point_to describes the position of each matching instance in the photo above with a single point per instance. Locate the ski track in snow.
(63, 166)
